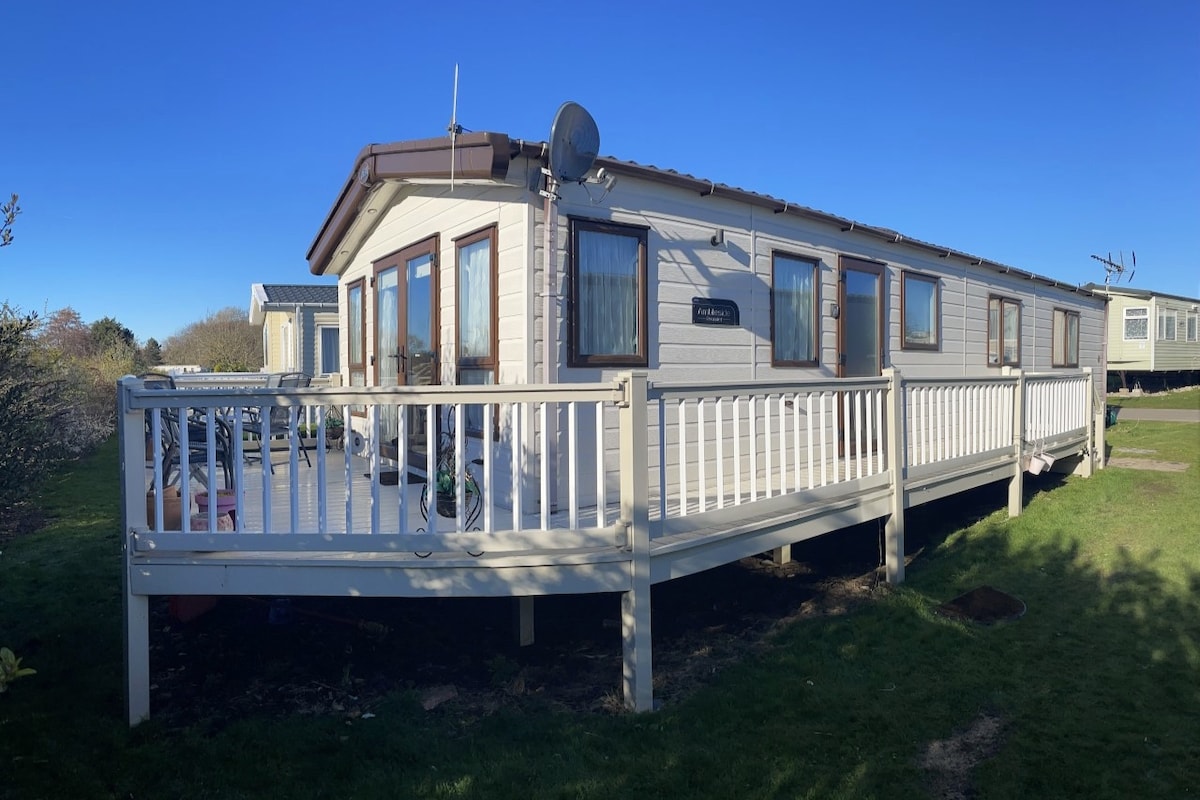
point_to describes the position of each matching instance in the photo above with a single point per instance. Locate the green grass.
(1097, 686)
(1187, 398)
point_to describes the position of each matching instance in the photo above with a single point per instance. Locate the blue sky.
(169, 155)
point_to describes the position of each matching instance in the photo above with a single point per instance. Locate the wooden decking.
(724, 480)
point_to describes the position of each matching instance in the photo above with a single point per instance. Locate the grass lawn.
(1093, 693)
(1187, 398)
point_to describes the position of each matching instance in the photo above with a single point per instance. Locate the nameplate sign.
(714, 311)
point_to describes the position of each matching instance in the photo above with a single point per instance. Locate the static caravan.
(1151, 334)
(634, 376)
(299, 327)
(456, 268)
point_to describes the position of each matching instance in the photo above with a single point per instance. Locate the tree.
(222, 342)
(107, 332)
(64, 333)
(152, 353)
(8, 215)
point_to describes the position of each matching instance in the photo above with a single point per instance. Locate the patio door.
(861, 325)
(406, 339)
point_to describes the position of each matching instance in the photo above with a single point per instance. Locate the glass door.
(861, 323)
(405, 341)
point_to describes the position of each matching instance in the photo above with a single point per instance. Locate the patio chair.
(278, 422)
(197, 440)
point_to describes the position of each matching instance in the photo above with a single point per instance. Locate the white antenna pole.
(453, 125)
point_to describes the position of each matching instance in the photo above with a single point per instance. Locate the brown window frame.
(815, 263)
(1002, 299)
(360, 367)
(639, 359)
(936, 323)
(431, 246)
(490, 234)
(1067, 361)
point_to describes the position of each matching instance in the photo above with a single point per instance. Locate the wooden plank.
(473, 541)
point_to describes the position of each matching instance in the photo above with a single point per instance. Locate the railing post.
(132, 443)
(897, 462)
(1016, 486)
(1089, 463)
(635, 513)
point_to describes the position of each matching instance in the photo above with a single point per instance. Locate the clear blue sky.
(168, 155)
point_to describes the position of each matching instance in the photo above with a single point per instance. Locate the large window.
(1137, 324)
(1166, 326)
(794, 317)
(1193, 321)
(1066, 339)
(328, 337)
(1004, 332)
(475, 261)
(919, 316)
(608, 318)
(356, 337)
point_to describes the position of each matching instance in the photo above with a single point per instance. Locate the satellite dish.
(574, 143)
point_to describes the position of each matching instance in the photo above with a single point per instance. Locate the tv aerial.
(574, 145)
(454, 129)
(1117, 268)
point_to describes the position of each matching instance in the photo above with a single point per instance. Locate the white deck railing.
(549, 476)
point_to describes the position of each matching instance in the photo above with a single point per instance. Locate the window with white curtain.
(607, 273)
(356, 338)
(794, 318)
(475, 257)
(1066, 339)
(1166, 326)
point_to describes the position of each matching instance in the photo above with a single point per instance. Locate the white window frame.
(285, 344)
(1135, 313)
(1193, 326)
(1163, 316)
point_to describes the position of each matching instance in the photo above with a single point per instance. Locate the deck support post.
(1095, 427)
(524, 621)
(782, 554)
(637, 680)
(136, 607)
(1016, 485)
(897, 461)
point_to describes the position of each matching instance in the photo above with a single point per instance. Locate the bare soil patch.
(1148, 463)
(950, 762)
(345, 656)
(983, 604)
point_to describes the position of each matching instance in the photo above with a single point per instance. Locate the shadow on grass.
(1095, 687)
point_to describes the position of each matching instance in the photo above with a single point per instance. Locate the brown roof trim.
(487, 155)
(706, 188)
(476, 156)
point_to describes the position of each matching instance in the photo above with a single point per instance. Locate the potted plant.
(447, 502)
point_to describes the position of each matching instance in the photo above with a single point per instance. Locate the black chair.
(278, 421)
(197, 432)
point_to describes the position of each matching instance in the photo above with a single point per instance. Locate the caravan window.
(1166, 326)
(1004, 332)
(1137, 324)
(607, 272)
(794, 328)
(475, 262)
(356, 338)
(1192, 321)
(1066, 339)
(919, 312)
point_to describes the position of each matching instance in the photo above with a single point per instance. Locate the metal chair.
(197, 432)
(278, 421)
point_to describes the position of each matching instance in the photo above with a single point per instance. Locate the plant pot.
(446, 504)
(199, 522)
(226, 504)
(172, 509)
